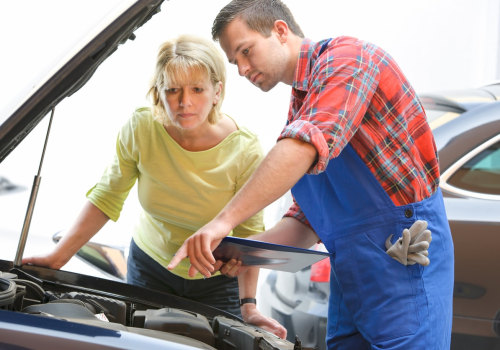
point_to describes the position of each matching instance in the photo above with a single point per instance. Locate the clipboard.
(267, 255)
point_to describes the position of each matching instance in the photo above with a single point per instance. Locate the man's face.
(261, 60)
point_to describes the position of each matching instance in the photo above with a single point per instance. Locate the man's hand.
(252, 315)
(413, 245)
(199, 248)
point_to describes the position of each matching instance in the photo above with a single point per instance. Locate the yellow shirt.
(179, 190)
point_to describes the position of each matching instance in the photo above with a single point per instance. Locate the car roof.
(462, 119)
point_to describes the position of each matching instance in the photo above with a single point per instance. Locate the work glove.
(412, 247)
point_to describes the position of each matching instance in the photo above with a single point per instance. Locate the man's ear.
(281, 29)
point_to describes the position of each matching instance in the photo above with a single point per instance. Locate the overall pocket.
(379, 291)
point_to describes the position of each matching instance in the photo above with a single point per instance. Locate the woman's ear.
(218, 92)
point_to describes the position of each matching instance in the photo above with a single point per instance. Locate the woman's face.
(188, 103)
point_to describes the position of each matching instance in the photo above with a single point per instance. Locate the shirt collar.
(307, 48)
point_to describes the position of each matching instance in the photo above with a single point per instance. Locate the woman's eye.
(245, 51)
(171, 90)
(197, 90)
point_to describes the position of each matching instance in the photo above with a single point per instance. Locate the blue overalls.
(376, 302)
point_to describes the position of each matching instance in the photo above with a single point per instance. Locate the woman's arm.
(288, 231)
(247, 282)
(90, 220)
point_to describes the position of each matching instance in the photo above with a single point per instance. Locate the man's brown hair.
(259, 15)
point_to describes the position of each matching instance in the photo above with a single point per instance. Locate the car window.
(480, 174)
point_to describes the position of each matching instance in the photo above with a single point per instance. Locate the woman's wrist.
(247, 309)
(244, 301)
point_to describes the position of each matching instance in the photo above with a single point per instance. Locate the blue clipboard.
(267, 255)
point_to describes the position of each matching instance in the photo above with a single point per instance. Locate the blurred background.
(440, 45)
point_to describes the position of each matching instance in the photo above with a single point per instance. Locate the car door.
(472, 199)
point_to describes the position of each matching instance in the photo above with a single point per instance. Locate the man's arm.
(289, 231)
(284, 165)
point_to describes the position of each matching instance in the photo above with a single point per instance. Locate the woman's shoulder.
(140, 121)
(141, 117)
(142, 114)
(243, 131)
(245, 141)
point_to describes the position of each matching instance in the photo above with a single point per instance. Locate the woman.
(189, 160)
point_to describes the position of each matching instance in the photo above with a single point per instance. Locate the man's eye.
(245, 51)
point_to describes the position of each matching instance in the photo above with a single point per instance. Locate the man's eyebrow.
(232, 60)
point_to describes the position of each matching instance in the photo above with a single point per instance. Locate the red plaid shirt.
(350, 91)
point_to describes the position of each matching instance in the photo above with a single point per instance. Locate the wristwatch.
(248, 301)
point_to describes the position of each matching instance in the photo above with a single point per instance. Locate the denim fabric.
(220, 291)
(375, 301)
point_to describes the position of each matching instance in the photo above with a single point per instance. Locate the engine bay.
(81, 299)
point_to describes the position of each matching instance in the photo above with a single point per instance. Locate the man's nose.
(243, 68)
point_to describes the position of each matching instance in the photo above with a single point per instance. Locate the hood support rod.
(31, 205)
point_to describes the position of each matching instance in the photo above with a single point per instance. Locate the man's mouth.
(253, 78)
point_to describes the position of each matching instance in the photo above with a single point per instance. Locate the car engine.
(54, 294)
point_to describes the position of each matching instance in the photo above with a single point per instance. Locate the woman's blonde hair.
(178, 60)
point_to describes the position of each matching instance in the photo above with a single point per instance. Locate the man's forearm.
(284, 165)
(291, 232)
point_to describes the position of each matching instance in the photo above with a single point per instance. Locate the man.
(361, 161)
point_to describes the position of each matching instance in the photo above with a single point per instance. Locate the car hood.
(72, 72)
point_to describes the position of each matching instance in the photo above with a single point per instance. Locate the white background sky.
(440, 44)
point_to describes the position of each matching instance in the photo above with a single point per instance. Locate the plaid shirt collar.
(302, 71)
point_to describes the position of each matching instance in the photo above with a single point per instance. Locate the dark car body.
(466, 127)
(41, 308)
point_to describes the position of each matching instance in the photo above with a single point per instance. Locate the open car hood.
(42, 308)
(74, 71)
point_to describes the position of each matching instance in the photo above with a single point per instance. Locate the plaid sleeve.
(310, 133)
(341, 86)
(295, 212)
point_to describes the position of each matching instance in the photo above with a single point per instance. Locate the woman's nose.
(184, 98)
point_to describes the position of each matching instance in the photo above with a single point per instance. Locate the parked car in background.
(41, 308)
(466, 126)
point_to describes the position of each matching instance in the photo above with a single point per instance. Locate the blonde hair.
(180, 59)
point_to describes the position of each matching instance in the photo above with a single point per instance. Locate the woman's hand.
(252, 315)
(50, 260)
